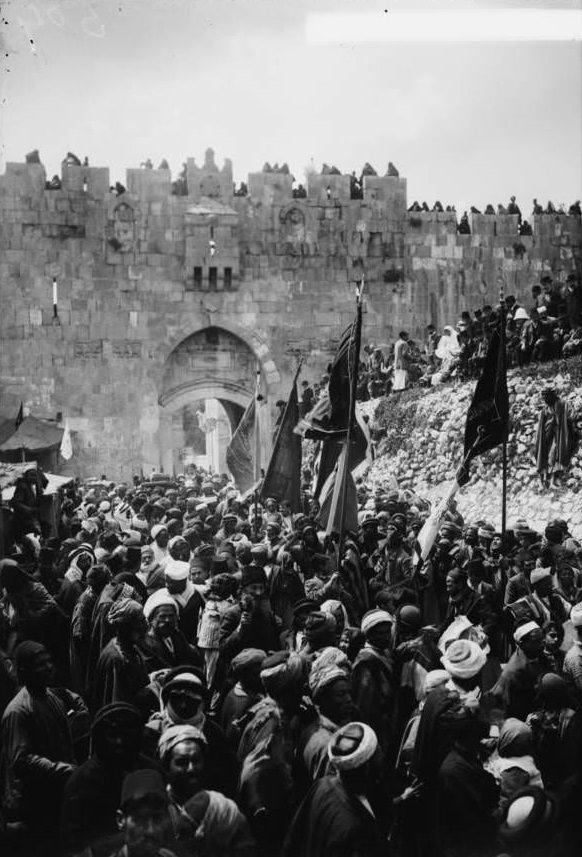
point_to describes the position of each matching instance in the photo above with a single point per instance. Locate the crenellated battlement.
(142, 266)
(384, 196)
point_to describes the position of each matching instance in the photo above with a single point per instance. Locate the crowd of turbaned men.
(307, 667)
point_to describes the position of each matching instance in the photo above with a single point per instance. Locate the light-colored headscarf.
(174, 735)
(448, 346)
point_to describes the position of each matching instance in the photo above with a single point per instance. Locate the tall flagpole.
(257, 448)
(352, 414)
(503, 367)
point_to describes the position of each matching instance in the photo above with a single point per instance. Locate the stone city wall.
(140, 273)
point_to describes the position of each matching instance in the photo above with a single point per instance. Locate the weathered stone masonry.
(164, 299)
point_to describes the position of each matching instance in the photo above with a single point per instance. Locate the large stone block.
(75, 178)
(24, 179)
(149, 185)
(270, 188)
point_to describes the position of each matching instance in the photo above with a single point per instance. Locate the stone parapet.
(328, 189)
(149, 185)
(270, 188)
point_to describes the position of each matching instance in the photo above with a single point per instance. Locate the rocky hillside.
(420, 440)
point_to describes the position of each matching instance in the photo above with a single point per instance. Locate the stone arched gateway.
(212, 363)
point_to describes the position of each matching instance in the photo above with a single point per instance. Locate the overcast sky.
(124, 80)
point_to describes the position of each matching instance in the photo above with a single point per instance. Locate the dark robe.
(101, 630)
(189, 615)
(331, 822)
(91, 800)
(71, 591)
(466, 797)
(165, 653)
(374, 693)
(80, 639)
(37, 755)
(235, 705)
(555, 438)
(477, 610)
(516, 689)
(119, 677)
(261, 632)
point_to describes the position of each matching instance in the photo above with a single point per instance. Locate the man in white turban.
(339, 814)
(373, 681)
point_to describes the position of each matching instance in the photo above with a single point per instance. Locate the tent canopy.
(33, 435)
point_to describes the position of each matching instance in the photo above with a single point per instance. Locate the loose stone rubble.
(420, 442)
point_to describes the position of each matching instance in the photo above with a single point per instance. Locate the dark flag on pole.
(240, 453)
(336, 513)
(329, 419)
(488, 415)
(283, 477)
(19, 418)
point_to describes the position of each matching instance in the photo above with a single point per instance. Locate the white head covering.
(157, 529)
(176, 569)
(352, 746)
(539, 574)
(161, 598)
(434, 679)
(448, 346)
(464, 659)
(523, 630)
(375, 617)
(175, 735)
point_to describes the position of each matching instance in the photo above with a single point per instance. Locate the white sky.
(124, 80)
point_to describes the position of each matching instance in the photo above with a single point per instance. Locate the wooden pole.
(352, 414)
(503, 315)
(257, 449)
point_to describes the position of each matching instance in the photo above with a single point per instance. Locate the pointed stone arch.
(214, 362)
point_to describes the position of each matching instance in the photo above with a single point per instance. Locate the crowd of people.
(187, 671)
(545, 327)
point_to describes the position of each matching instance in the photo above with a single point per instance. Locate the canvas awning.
(33, 435)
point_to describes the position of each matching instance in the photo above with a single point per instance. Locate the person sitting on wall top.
(86, 161)
(32, 157)
(575, 208)
(537, 208)
(415, 206)
(438, 206)
(425, 206)
(489, 209)
(550, 209)
(392, 171)
(513, 208)
(72, 160)
(147, 164)
(267, 168)
(463, 228)
(164, 165)
(474, 210)
(368, 170)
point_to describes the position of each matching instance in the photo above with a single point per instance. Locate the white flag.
(66, 445)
